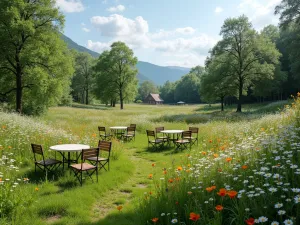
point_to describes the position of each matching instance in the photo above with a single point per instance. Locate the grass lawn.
(59, 199)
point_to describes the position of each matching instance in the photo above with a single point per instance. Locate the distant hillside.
(160, 74)
(147, 71)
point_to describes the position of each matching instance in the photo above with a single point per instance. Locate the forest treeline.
(37, 70)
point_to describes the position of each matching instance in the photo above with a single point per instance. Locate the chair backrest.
(88, 153)
(187, 134)
(195, 130)
(37, 149)
(133, 125)
(130, 129)
(159, 129)
(105, 146)
(150, 133)
(101, 129)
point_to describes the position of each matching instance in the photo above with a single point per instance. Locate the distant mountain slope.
(147, 71)
(160, 74)
(72, 45)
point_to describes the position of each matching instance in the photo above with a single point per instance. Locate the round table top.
(172, 131)
(118, 128)
(69, 147)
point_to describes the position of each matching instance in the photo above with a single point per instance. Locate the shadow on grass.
(97, 107)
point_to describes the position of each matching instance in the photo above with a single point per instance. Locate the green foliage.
(167, 92)
(146, 88)
(116, 74)
(187, 89)
(35, 64)
(289, 11)
(251, 56)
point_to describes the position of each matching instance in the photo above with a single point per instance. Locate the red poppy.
(250, 221)
(194, 216)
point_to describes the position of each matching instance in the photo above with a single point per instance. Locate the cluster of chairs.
(157, 139)
(92, 160)
(127, 135)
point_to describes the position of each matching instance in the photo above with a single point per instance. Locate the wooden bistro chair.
(103, 135)
(40, 161)
(104, 146)
(129, 135)
(194, 137)
(185, 140)
(88, 168)
(153, 141)
(133, 125)
(160, 135)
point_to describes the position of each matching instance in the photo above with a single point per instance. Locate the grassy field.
(151, 187)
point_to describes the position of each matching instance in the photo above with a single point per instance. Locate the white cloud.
(173, 46)
(260, 12)
(117, 25)
(219, 10)
(185, 30)
(85, 29)
(118, 8)
(70, 6)
(98, 46)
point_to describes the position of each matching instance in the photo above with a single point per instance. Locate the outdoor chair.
(129, 135)
(133, 125)
(104, 146)
(194, 137)
(42, 163)
(160, 135)
(82, 167)
(185, 140)
(153, 141)
(103, 135)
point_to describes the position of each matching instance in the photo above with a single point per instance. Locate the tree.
(146, 88)
(116, 73)
(198, 71)
(83, 78)
(34, 62)
(250, 55)
(289, 11)
(187, 89)
(217, 83)
(167, 92)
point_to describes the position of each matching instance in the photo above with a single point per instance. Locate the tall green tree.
(167, 92)
(82, 80)
(35, 64)
(146, 88)
(217, 82)
(251, 55)
(187, 89)
(289, 11)
(116, 72)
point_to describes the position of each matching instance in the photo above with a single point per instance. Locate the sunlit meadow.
(245, 169)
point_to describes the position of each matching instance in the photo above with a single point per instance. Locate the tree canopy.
(35, 64)
(146, 88)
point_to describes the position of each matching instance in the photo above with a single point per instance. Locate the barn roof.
(156, 97)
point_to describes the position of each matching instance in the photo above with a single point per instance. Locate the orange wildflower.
(9, 147)
(194, 216)
(179, 168)
(150, 175)
(209, 189)
(213, 187)
(219, 170)
(36, 189)
(119, 207)
(153, 164)
(188, 171)
(203, 153)
(250, 221)
(170, 180)
(154, 220)
(232, 194)
(244, 167)
(0, 178)
(222, 192)
(210, 141)
(94, 135)
(3, 126)
(215, 155)
(165, 172)
(219, 207)
(228, 159)
(177, 178)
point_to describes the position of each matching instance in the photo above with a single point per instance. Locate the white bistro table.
(118, 130)
(69, 148)
(173, 133)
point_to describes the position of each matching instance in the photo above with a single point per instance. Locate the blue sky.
(163, 32)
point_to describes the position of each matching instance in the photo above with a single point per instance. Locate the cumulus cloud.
(70, 6)
(117, 25)
(219, 10)
(98, 46)
(118, 8)
(185, 30)
(260, 12)
(85, 29)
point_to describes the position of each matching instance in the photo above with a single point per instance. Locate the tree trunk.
(19, 92)
(87, 96)
(239, 105)
(121, 99)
